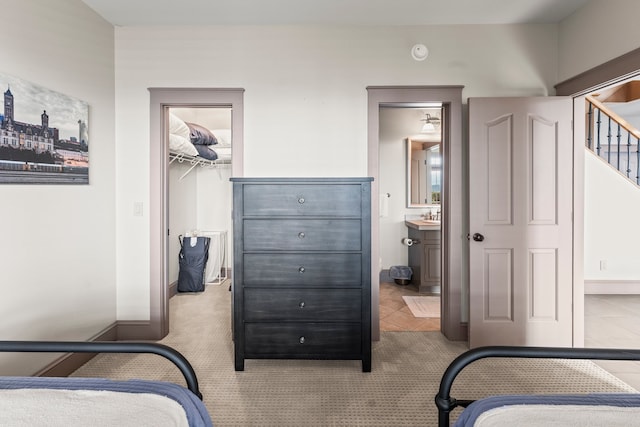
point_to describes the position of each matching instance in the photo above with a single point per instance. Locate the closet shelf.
(195, 161)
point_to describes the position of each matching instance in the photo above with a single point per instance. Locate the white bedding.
(223, 135)
(81, 408)
(583, 410)
(223, 151)
(179, 141)
(559, 415)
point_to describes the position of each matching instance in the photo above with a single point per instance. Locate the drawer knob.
(301, 200)
(301, 304)
(302, 340)
(301, 235)
(301, 269)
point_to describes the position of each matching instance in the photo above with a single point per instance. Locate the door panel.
(520, 185)
(543, 149)
(543, 286)
(499, 284)
(498, 148)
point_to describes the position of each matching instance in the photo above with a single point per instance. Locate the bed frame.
(446, 403)
(167, 352)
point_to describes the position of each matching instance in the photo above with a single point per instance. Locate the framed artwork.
(44, 135)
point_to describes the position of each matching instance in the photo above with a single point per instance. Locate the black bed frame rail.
(446, 403)
(167, 352)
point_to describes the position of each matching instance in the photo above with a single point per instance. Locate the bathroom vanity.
(302, 269)
(425, 256)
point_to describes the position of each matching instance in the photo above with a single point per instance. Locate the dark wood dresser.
(302, 269)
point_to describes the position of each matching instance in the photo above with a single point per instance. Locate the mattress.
(71, 402)
(611, 409)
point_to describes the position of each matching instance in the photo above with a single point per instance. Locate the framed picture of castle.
(44, 135)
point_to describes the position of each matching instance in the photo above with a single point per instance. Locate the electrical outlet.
(603, 264)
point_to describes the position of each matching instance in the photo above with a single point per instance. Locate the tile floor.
(611, 321)
(394, 313)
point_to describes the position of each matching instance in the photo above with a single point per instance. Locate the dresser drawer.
(303, 269)
(302, 234)
(302, 199)
(308, 340)
(262, 304)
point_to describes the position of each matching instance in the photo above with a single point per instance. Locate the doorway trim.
(160, 98)
(454, 209)
(604, 74)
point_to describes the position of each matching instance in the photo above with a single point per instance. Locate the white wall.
(58, 241)
(305, 98)
(183, 210)
(215, 201)
(600, 31)
(611, 209)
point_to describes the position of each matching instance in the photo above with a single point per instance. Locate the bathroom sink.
(419, 223)
(426, 221)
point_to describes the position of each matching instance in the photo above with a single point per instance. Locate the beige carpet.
(399, 391)
(423, 306)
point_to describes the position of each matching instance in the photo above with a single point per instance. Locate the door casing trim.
(454, 208)
(160, 99)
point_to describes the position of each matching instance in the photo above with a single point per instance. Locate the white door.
(520, 222)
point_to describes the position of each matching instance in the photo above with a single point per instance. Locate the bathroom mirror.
(424, 171)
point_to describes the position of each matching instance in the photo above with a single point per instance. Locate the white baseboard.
(611, 287)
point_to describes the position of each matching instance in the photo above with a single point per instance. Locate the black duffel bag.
(194, 253)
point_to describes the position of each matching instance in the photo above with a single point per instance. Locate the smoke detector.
(419, 52)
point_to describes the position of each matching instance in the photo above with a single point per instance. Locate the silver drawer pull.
(302, 340)
(301, 305)
(301, 235)
(301, 269)
(301, 200)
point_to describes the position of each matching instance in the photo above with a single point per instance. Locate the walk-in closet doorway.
(194, 208)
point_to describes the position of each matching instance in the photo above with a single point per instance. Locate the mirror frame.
(408, 148)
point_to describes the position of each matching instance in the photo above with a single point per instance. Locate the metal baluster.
(590, 126)
(637, 161)
(628, 154)
(598, 122)
(618, 150)
(608, 139)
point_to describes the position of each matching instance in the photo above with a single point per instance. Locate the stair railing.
(620, 148)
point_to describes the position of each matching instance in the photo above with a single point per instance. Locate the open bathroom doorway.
(453, 298)
(410, 184)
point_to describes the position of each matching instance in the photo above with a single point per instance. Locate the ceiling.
(332, 12)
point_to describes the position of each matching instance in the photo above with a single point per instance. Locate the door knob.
(477, 237)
